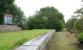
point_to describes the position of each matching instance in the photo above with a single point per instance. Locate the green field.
(10, 40)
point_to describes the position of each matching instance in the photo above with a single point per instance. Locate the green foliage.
(74, 24)
(81, 24)
(48, 17)
(18, 15)
(70, 23)
(80, 37)
(78, 24)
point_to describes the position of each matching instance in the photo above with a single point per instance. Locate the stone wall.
(9, 28)
(38, 43)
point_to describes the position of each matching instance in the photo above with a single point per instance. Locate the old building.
(7, 23)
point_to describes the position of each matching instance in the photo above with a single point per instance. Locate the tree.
(70, 23)
(5, 5)
(79, 13)
(18, 15)
(47, 17)
(75, 24)
(80, 29)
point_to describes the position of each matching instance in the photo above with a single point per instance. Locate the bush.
(80, 37)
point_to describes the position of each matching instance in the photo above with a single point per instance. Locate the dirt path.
(63, 41)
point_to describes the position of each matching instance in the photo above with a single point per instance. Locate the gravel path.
(63, 41)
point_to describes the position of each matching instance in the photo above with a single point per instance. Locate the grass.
(10, 40)
(62, 41)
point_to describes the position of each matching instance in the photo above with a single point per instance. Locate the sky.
(67, 7)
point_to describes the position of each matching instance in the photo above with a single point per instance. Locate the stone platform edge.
(38, 43)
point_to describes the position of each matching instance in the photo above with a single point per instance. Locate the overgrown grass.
(62, 41)
(9, 40)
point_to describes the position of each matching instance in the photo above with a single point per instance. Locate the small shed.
(8, 18)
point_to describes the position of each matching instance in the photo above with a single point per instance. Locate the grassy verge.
(62, 41)
(9, 40)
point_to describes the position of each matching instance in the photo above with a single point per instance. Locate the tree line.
(76, 22)
(45, 18)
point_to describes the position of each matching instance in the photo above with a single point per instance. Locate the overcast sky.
(67, 7)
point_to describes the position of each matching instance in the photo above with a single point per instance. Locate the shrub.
(80, 37)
